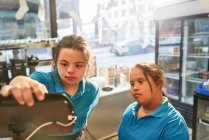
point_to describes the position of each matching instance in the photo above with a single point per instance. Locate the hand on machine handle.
(23, 88)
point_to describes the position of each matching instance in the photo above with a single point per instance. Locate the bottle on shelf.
(123, 79)
(115, 77)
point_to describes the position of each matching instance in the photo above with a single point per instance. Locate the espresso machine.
(18, 63)
(4, 76)
(32, 63)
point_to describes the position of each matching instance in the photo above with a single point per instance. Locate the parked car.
(131, 47)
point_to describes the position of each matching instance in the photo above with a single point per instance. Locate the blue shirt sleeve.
(45, 79)
(176, 130)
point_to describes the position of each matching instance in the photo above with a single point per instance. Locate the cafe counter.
(105, 118)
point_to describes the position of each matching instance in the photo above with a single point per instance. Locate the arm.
(176, 131)
(22, 88)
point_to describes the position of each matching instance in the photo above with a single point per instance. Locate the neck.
(155, 104)
(145, 110)
(71, 89)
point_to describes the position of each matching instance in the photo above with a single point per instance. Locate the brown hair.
(152, 70)
(74, 42)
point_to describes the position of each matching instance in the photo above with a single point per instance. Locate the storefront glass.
(24, 19)
(120, 33)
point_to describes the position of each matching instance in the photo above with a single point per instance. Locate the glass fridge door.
(195, 56)
(169, 55)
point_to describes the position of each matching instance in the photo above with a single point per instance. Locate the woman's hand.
(23, 88)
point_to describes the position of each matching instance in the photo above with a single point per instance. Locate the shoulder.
(174, 116)
(129, 112)
(133, 106)
(170, 113)
(175, 125)
(40, 76)
(174, 113)
(91, 92)
(90, 89)
(91, 85)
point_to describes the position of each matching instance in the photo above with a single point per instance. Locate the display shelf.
(203, 34)
(169, 54)
(198, 81)
(45, 62)
(172, 96)
(16, 56)
(195, 55)
(169, 44)
(178, 36)
(28, 43)
(172, 75)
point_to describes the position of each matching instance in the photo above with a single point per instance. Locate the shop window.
(108, 33)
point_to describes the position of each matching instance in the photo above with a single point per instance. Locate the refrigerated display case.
(169, 55)
(195, 56)
(183, 53)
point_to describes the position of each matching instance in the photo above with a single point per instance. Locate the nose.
(70, 69)
(136, 87)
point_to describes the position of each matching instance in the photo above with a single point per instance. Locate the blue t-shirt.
(85, 99)
(165, 123)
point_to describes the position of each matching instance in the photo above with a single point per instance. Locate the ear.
(54, 65)
(87, 72)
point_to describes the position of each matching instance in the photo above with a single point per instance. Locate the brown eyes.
(63, 64)
(76, 66)
(139, 82)
(79, 66)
